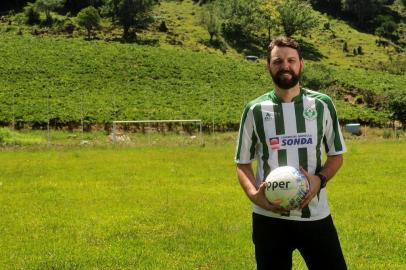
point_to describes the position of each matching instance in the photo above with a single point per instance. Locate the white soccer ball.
(286, 186)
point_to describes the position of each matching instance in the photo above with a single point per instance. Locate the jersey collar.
(296, 99)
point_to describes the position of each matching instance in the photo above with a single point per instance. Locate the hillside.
(175, 74)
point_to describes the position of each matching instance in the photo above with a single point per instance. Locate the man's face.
(285, 67)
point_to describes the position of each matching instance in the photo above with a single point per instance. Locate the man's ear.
(268, 65)
(302, 65)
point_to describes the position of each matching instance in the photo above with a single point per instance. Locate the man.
(290, 111)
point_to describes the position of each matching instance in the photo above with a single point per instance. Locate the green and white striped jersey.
(278, 133)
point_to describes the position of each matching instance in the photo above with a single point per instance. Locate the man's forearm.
(246, 179)
(332, 165)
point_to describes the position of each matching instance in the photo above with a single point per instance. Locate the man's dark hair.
(283, 42)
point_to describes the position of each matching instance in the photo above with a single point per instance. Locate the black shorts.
(317, 241)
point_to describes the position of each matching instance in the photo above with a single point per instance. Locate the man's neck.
(288, 94)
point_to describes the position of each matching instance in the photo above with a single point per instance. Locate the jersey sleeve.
(333, 137)
(247, 140)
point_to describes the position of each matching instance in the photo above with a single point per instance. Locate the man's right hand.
(260, 199)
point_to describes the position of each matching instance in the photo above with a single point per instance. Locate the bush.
(381, 42)
(31, 14)
(358, 100)
(34, 31)
(19, 19)
(345, 46)
(162, 27)
(359, 50)
(317, 76)
(88, 18)
(10, 137)
(397, 104)
(69, 26)
(387, 133)
(49, 21)
(393, 133)
(234, 31)
(386, 27)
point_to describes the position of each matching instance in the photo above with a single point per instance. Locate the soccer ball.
(286, 186)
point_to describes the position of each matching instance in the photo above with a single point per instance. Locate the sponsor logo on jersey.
(310, 113)
(290, 141)
(275, 145)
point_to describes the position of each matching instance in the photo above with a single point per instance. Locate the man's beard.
(284, 83)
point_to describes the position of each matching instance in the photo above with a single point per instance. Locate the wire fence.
(50, 118)
(54, 117)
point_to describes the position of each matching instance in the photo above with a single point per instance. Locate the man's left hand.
(314, 183)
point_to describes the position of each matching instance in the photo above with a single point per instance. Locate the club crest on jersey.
(310, 113)
(269, 116)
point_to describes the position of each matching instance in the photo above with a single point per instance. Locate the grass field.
(170, 207)
(67, 80)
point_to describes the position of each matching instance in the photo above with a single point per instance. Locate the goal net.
(153, 131)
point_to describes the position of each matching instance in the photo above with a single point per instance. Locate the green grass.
(10, 137)
(184, 29)
(169, 207)
(371, 199)
(106, 81)
(100, 82)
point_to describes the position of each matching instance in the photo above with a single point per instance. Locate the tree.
(134, 13)
(31, 14)
(270, 15)
(88, 18)
(397, 104)
(110, 8)
(362, 9)
(241, 18)
(327, 4)
(360, 51)
(345, 46)
(74, 6)
(47, 6)
(210, 20)
(297, 16)
(387, 26)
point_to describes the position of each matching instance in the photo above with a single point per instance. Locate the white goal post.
(114, 131)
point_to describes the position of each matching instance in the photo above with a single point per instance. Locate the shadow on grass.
(145, 41)
(309, 51)
(368, 25)
(257, 46)
(132, 38)
(249, 45)
(217, 44)
(138, 40)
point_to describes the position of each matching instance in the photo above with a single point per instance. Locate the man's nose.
(285, 65)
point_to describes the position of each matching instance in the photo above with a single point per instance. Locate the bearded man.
(291, 111)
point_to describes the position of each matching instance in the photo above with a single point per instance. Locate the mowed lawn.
(168, 207)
